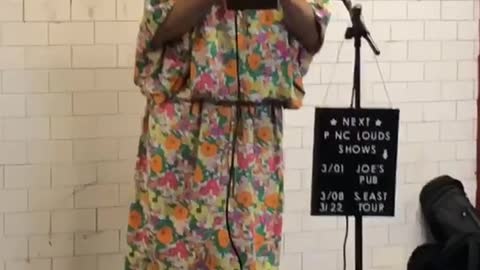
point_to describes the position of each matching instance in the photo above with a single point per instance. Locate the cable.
(231, 186)
(231, 180)
(383, 82)
(332, 76)
(345, 244)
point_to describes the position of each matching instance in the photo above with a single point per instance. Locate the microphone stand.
(357, 31)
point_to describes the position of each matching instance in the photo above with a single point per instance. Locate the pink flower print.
(140, 236)
(277, 227)
(244, 160)
(211, 188)
(179, 250)
(169, 180)
(273, 163)
(206, 81)
(168, 109)
(218, 221)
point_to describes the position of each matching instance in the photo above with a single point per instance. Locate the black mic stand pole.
(358, 31)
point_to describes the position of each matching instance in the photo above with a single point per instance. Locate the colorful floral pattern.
(194, 145)
(231, 56)
(178, 220)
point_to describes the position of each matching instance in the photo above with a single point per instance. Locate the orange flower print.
(165, 235)
(157, 164)
(199, 45)
(272, 201)
(209, 149)
(180, 213)
(245, 198)
(258, 241)
(242, 42)
(198, 174)
(223, 240)
(265, 134)
(267, 18)
(231, 68)
(254, 60)
(172, 143)
(134, 220)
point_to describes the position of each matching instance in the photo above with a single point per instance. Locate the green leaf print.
(213, 50)
(261, 192)
(136, 206)
(284, 68)
(271, 258)
(275, 77)
(158, 15)
(193, 224)
(260, 230)
(164, 222)
(185, 150)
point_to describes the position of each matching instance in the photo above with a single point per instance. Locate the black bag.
(461, 252)
(423, 256)
(454, 224)
(447, 210)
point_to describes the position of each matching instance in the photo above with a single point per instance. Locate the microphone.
(358, 29)
(348, 6)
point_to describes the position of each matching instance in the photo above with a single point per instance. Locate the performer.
(209, 174)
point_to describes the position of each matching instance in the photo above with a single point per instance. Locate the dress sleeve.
(155, 13)
(322, 12)
(147, 58)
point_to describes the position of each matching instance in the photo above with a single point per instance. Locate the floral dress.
(209, 172)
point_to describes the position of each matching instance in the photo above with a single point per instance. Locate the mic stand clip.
(357, 31)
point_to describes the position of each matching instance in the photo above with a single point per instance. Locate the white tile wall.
(70, 116)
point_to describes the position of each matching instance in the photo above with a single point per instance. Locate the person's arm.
(183, 15)
(163, 21)
(307, 21)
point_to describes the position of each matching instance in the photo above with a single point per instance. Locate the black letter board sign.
(354, 162)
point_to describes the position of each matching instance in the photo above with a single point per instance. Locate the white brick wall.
(70, 116)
